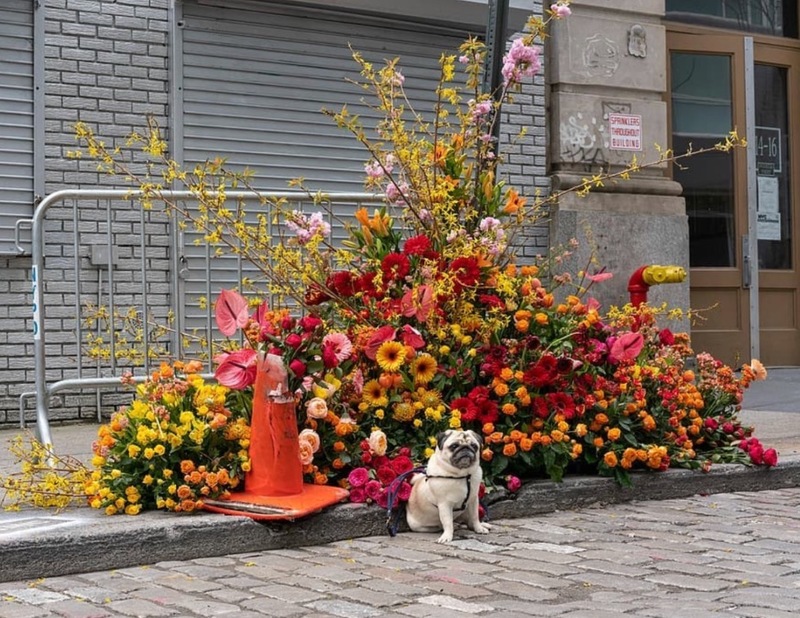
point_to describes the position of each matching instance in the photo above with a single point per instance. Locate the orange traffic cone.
(274, 487)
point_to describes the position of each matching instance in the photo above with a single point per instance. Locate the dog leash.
(392, 516)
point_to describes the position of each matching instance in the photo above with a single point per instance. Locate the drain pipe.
(645, 276)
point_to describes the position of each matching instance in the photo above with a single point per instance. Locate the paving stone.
(456, 605)
(761, 612)
(521, 590)
(34, 596)
(180, 581)
(345, 609)
(204, 607)
(140, 608)
(371, 597)
(14, 609)
(290, 594)
(274, 608)
(333, 574)
(686, 581)
(72, 608)
(457, 576)
(613, 582)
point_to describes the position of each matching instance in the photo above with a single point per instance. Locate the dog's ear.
(477, 436)
(441, 437)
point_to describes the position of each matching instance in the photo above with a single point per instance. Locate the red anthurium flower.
(410, 336)
(231, 312)
(418, 303)
(600, 277)
(260, 314)
(626, 347)
(237, 369)
(381, 335)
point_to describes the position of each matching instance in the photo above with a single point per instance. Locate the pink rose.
(298, 367)
(306, 452)
(513, 483)
(358, 477)
(316, 408)
(373, 489)
(404, 491)
(312, 437)
(377, 442)
(358, 495)
(294, 341)
(310, 322)
(770, 457)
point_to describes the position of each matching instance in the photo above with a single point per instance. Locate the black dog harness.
(455, 478)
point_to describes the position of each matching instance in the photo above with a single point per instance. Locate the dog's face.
(459, 448)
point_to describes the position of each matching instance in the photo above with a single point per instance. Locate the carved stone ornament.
(637, 41)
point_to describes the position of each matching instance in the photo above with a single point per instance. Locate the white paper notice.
(769, 226)
(768, 193)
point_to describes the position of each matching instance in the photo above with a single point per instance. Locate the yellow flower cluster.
(174, 445)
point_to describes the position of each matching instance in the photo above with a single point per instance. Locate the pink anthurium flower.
(418, 302)
(412, 337)
(237, 369)
(626, 347)
(231, 312)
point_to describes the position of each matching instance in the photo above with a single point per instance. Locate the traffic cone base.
(274, 487)
(311, 499)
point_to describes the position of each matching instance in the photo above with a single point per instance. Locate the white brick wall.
(106, 65)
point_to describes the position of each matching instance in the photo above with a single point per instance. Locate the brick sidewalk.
(723, 555)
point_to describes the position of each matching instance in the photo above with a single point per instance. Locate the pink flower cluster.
(307, 227)
(560, 10)
(521, 61)
(758, 455)
(369, 482)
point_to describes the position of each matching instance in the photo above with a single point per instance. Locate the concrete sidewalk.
(38, 544)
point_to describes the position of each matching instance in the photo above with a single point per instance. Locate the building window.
(772, 17)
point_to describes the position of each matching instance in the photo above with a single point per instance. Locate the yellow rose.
(317, 408)
(159, 449)
(377, 442)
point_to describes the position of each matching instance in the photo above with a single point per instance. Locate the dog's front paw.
(445, 538)
(482, 528)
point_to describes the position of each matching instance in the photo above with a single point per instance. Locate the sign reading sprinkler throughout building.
(625, 132)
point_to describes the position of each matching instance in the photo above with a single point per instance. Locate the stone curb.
(84, 540)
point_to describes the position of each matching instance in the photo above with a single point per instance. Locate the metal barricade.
(102, 253)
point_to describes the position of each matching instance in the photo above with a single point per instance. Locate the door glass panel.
(774, 17)
(702, 115)
(772, 164)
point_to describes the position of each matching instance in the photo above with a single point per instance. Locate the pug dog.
(448, 491)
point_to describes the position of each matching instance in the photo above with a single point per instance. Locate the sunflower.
(424, 368)
(391, 355)
(374, 394)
